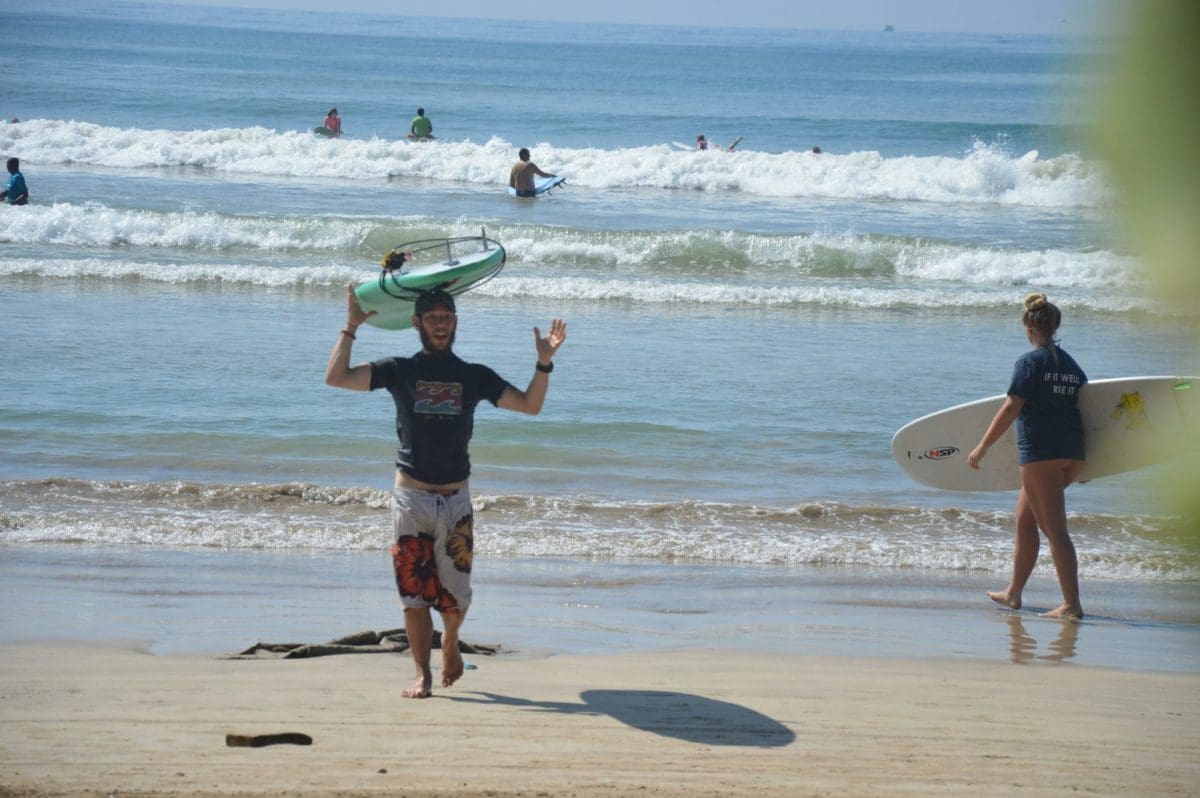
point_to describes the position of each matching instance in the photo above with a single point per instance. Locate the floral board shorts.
(433, 547)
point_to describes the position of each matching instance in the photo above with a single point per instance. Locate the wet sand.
(197, 601)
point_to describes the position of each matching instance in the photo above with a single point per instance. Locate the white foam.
(95, 225)
(704, 251)
(988, 174)
(828, 293)
(1044, 268)
(183, 273)
(298, 516)
(832, 255)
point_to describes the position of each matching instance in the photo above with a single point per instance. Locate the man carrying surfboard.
(435, 394)
(1042, 398)
(520, 178)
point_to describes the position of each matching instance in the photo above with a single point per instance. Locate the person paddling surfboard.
(703, 143)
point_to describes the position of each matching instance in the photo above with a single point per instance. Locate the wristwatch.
(546, 369)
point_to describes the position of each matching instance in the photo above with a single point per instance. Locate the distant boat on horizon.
(888, 29)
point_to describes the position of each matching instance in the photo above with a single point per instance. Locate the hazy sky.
(996, 16)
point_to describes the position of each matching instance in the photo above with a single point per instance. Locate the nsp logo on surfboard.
(937, 453)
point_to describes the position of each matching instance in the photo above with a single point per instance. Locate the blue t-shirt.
(16, 188)
(435, 398)
(1049, 426)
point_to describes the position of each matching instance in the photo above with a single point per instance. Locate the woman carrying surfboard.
(1042, 399)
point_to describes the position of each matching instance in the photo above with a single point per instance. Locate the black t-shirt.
(435, 398)
(1049, 426)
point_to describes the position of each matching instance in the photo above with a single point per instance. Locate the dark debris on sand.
(390, 641)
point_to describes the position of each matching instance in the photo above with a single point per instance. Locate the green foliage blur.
(1149, 132)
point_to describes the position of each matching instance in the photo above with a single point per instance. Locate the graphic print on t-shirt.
(438, 398)
(1062, 383)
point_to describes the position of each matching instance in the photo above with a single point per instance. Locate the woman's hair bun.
(1036, 301)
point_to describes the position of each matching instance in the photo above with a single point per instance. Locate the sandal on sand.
(259, 740)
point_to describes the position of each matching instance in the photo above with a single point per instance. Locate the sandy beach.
(98, 720)
(707, 572)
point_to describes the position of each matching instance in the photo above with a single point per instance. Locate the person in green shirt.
(421, 127)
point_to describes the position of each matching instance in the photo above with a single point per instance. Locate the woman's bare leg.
(1026, 543)
(1043, 484)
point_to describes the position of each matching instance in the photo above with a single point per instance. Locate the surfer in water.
(435, 395)
(421, 128)
(703, 143)
(1042, 399)
(520, 179)
(15, 192)
(333, 122)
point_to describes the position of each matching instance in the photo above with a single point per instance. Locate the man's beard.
(428, 346)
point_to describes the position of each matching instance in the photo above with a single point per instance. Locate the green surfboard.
(451, 264)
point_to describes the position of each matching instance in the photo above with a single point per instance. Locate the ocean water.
(747, 329)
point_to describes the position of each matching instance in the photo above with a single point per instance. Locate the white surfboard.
(541, 185)
(1128, 423)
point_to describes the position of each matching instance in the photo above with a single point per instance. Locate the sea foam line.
(988, 174)
(816, 292)
(300, 516)
(705, 252)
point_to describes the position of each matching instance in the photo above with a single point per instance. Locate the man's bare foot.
(1066, 613)
(421, 688)
(1005, 598)
(452, 663)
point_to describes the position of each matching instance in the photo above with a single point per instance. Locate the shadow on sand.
(683, 716)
